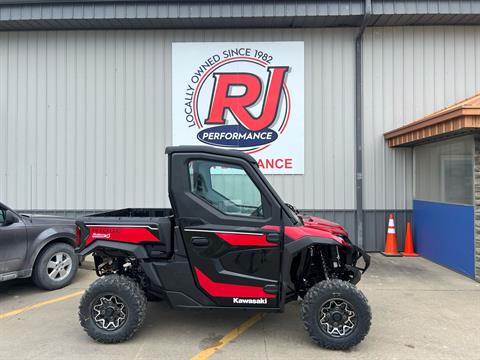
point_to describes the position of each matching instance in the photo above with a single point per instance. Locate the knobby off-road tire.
(55, 266)
(112, 309)
(336, 314)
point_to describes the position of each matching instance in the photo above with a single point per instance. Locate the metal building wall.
(408, 72)
(85, 117)
(175, 14)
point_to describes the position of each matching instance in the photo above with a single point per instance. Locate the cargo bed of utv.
(159, 222)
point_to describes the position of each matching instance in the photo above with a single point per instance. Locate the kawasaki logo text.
(249, 301)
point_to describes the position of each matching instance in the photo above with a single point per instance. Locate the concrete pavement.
(420, 311)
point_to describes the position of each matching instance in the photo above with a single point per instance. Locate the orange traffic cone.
(391, 243)
(409, 251)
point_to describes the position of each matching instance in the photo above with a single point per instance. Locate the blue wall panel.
(444, 233)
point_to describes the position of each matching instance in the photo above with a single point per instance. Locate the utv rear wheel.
(113, 309)
(336, 314)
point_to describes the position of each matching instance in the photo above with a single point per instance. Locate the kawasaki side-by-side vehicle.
(230, 242)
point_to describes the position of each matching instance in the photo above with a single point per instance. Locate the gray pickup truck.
(37, 246)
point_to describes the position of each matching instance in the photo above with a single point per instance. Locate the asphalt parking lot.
(420, 311)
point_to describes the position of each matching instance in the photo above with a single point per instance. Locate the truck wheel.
(112, 309)
(336, 314)
(55, 267)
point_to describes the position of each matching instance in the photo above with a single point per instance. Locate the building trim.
(112, 14)
(359, 123)
(454, 120)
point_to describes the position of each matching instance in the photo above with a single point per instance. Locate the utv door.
(231, 226)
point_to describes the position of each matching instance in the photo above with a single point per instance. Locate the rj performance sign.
(244, 96)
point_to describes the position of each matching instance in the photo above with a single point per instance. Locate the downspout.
(359, 216)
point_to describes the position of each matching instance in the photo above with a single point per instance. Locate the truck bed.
(134, 226)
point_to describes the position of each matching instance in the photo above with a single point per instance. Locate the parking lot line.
(233, 334)
(41, 304)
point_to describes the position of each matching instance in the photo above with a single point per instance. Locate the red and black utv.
(229, 242)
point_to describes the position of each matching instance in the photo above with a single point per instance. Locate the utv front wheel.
(112, 309)
(336, 314)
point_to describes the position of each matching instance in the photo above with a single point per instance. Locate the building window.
(444, 171)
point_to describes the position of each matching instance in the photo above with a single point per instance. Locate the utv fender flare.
(138, 251)
(296, 246)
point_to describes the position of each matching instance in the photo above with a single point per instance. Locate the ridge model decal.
(133, 234)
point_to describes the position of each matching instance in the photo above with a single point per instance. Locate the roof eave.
(131, 14)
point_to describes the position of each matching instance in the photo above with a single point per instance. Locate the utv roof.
(208, 150)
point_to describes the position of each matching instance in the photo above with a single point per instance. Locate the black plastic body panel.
(136, 212)
(136, 250)
(201, 149)
(176, 276)
(161, 227)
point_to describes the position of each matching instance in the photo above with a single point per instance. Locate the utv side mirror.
(10, 218)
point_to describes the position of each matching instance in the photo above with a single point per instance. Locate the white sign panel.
(246, 96)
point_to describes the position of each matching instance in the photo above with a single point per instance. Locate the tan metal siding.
(89, 114)
(410, 72)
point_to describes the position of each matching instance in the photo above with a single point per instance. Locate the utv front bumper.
(361, 254)
(357, 271)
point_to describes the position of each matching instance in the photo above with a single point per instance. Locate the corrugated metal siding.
(94, 14)
(89, 115)
(375, 225)
(410, 72)
(178, 9)
(425, 7)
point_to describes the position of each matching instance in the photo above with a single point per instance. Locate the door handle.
(271, 289)
(273, 238)
(199, 241)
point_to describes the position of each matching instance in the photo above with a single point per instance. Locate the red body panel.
(271, 227)
(245, 239)
(315, 226)
(325, 225)
(298, 232)
(134, 235)
(229, 290)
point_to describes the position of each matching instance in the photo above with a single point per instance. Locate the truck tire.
(55, 266)
(112, 309)
(336, 314)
